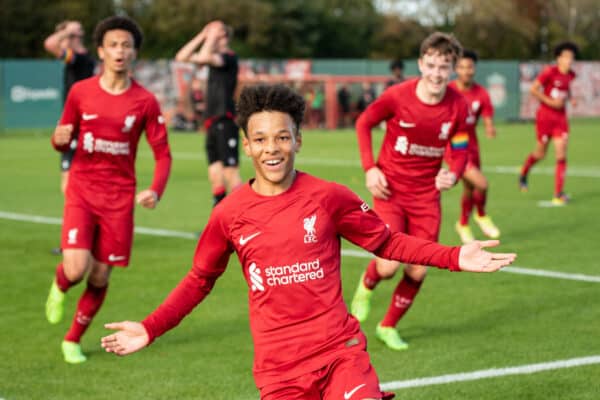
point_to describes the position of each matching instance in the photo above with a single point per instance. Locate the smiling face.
(436, 69)
(272, 142)
(117, 50)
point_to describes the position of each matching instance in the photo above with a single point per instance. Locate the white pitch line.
(58, 221)
(573, 171)
(491, 373)
(345, 252)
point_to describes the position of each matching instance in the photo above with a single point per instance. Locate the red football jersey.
(416, 136)
(107, 129)
(478, 100)
(289, 249)
(557, 86)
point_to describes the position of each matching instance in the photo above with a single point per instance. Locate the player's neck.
(265, 188)
(115, 82)
(464, 85)
(563, 70)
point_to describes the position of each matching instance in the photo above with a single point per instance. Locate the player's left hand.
(473, 258)
(444, 180)
(147, 198)
(490, 132)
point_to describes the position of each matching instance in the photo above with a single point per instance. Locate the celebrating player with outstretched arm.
(553, 88)
(108, 114)
(422, 116)
(286, 227)
(474, 182)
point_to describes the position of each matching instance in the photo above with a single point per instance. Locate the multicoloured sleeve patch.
(460, 141)
(68, 56)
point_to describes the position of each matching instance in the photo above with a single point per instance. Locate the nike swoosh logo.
(349, 394)
(407, 124)
(87, 117)
(113, 258)
(244, 240)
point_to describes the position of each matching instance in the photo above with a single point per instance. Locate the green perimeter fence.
(32, 89)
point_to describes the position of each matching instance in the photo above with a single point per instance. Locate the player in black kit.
(222, 142)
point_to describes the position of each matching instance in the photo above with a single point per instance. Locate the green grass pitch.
(459, 322)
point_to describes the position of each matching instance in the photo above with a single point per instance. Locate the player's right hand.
(377, 183)
(62, 134)
(129, 338)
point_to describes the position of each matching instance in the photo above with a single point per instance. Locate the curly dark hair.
(566, 46)
(122, 23)
(258, 98)
(471, 54)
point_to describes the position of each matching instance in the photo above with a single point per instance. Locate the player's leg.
(352, 377)
(466, 208)
(89, 303)
(231, 158)
(543, 129)
(423, 221)
(378, 268)
(76, 240)
(215, 165)
(402, 299)
(65, 165)
(480, 188)
(560, 149)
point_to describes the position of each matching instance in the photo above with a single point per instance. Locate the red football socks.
(466, 205)
(479, 199)
(89, 304)
(372, 277)
(559, 176)
(219, 194)
(62, 281)
(530, 162)
(402, 299)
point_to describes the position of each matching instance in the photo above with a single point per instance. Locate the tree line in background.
(501, 29)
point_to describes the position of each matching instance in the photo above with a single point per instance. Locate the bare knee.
(416, 272)
(99, 274)
(215, 174)
(386, 268)
(76, 263)
(540, 151)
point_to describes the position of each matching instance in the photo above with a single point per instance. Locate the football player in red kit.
(108, 114)
(474, 182)
(553, 88)
(286, 227)
(423, 115)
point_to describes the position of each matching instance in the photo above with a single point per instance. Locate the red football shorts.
(349, 376)
(415, 217)
(107, 233)
(551, 126)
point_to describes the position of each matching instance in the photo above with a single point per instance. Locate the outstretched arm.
(210, 260)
